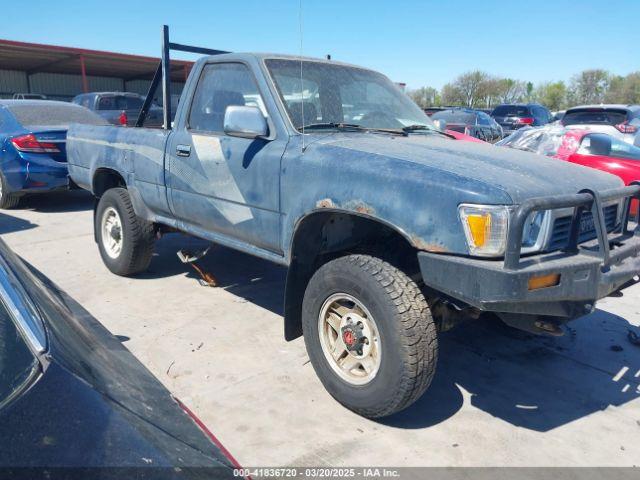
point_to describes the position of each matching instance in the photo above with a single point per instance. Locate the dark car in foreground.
(119, 108)
(511, 117)
(619, 121)
(75, 403)
(33, 157)
(470, 122)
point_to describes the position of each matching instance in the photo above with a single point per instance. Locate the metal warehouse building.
(61, 73)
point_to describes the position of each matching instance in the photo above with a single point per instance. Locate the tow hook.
(206, 279)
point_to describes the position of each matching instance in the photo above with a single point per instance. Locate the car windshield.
(455, 116)
(325, 93)
(53, 114)
(594, 117)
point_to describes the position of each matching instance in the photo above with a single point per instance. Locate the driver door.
(219, 183)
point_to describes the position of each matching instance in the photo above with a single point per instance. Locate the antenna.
(301, 78)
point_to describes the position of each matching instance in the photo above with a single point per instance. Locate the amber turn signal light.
(544, 281)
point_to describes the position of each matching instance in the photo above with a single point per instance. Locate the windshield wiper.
(336, 125)
(413, 128)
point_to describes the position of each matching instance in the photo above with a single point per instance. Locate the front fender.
(418, 201)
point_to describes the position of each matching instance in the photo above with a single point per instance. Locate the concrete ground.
(499, 397)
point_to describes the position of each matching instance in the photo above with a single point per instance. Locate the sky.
(420, 43)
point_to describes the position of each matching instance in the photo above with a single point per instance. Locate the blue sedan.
(33, 156)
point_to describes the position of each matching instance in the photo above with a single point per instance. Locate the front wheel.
(125, 240)
(369, 334)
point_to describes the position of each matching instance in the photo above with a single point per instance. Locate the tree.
(624, 89)
(552, 94)
(529, 88)
(451, 95)
(509, 90)
(469, 89)
(425, 97)
(589, 86)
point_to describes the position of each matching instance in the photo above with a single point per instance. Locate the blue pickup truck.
(391, 229)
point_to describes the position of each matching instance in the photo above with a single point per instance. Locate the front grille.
(562, 226)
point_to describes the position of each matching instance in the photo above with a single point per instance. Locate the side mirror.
(441, 124)
(245, 122)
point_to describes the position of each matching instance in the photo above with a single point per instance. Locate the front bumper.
(588, 271)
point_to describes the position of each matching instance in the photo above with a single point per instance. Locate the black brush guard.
(588, 271)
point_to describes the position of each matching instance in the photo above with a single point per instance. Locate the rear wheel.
(7, 199)
(369, 334)
(125, 240)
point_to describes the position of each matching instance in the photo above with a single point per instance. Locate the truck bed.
(123, 150)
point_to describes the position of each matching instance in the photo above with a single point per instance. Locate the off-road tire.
(409, 344)
(138, 234)
(7, 200)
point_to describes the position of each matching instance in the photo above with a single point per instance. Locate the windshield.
(327, 93)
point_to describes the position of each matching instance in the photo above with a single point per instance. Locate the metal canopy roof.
(35, 58)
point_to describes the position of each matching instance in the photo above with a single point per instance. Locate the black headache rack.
(163, 73)
(579, 274)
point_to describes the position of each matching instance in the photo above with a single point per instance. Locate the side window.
(16, 360)
(222, 85)
(537, 114)
(483, 119)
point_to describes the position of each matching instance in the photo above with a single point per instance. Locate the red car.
(584, 147)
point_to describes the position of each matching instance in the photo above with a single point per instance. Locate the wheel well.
(105, 179)
(323, 236)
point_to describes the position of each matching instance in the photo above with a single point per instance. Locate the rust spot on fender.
(359, 206)
(325, 203)
(428, 247)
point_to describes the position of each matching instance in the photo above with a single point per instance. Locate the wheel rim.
(112, 235)
(349, 338)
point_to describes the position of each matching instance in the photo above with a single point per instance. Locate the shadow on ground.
(72, 201)
(9, 224)
(537, 383)
(251, 278)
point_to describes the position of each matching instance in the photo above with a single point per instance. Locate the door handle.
(183, 150)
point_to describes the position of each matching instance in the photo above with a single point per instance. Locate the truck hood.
(521, 175)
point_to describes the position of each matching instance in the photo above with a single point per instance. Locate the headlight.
(485, 227)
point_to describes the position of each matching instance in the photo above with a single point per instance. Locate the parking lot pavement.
(499, 398)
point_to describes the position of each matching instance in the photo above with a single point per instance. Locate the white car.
(619, 121)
